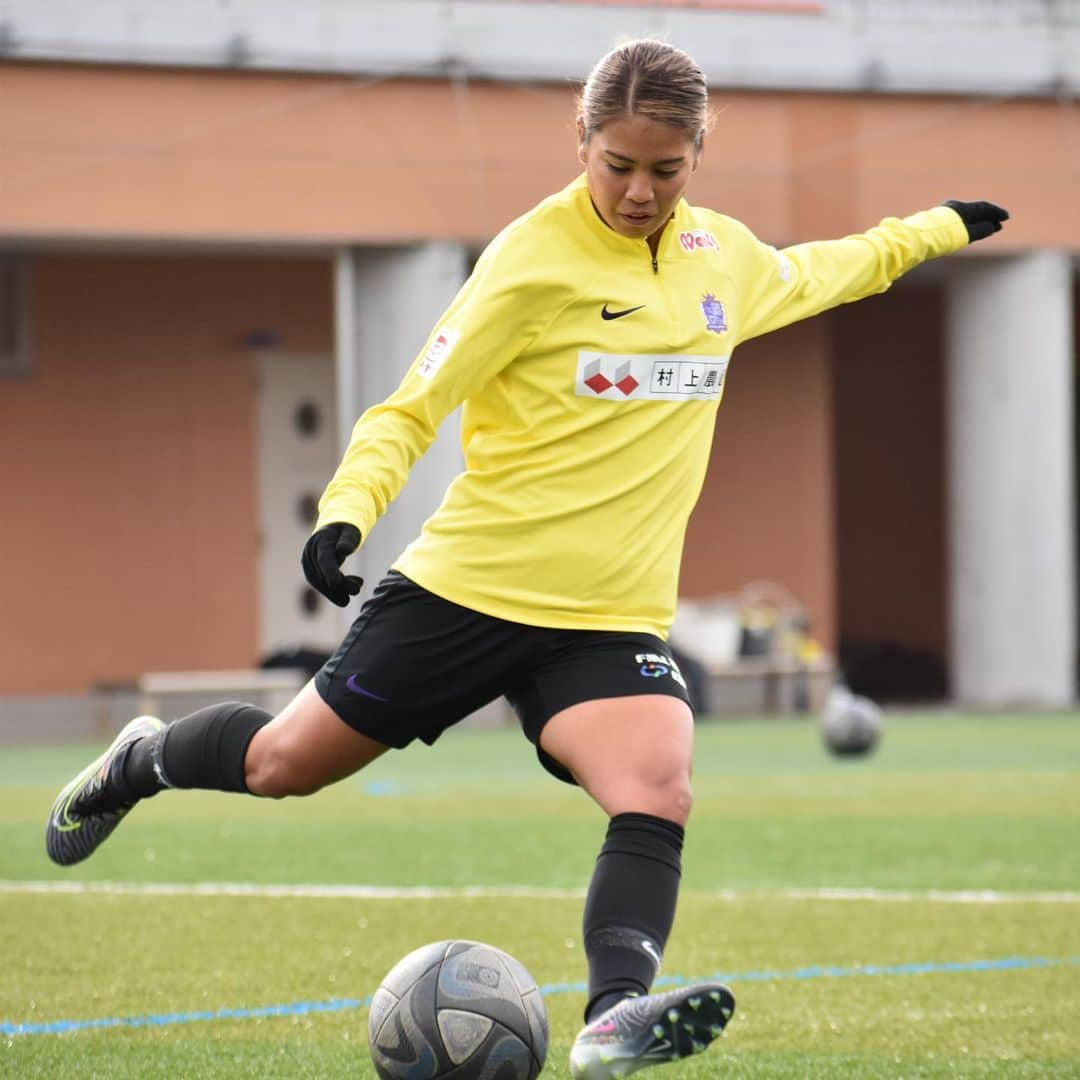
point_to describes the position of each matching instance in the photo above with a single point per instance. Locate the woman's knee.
(669, 796)
(304, 748)
(678, 797)
(652, 787)
(273, 770)
(630, 754)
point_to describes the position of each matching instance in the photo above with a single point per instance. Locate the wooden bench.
(171, 694)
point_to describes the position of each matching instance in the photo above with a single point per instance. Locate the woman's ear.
(699, 152)
(582, 145)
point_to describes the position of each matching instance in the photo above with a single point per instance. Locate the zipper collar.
(626, 245)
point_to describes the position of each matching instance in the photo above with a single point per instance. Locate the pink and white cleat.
(651, 1030)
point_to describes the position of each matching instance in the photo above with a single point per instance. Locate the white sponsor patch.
(437, 352)
(649, 377)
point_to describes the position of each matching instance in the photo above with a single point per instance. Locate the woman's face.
(637, 169)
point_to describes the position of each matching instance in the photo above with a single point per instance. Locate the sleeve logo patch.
(437, 352)
(698, 240)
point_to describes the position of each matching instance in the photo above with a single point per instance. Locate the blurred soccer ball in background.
(850, 724)
(458, 1010)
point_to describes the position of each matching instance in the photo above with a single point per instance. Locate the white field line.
(435, 892)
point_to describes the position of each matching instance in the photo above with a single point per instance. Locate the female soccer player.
(590, 349)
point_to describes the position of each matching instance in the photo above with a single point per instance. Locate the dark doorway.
(889, 409)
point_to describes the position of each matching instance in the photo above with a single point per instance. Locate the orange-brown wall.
(766, 511)
(129, 542)
(152, 153)
(129, 536)
(132, 543)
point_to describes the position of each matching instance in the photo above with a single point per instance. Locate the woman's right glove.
(327, 548)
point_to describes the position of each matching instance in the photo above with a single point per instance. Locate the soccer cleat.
(89, 807)
(643, 1031)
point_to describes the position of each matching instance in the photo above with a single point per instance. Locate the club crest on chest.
(715, 316)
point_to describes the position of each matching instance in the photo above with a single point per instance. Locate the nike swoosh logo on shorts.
(356, 688)
(608, 315)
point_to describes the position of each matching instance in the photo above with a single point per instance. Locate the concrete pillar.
(1011, 485)
(386, 303)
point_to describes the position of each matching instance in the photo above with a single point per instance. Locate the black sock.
(603, 1003)
(136, 772)
(203, 750)
(630, 907)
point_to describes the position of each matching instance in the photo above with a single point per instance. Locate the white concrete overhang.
(986, 47)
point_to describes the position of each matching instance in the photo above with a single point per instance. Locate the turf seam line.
(438, 892)
(299, 1008)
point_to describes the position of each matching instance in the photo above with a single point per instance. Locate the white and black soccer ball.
(850, 724)
(458, 1010)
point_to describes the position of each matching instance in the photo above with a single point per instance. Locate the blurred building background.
(227, 227)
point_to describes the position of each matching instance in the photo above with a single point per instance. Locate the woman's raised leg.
(228, 747)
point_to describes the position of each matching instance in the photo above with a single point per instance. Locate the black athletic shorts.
(414, 664)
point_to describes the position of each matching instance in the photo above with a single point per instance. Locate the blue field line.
(296, 1008)
(300, 1008)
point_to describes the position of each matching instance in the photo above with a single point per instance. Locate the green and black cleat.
(90, 806)
(651, 1030)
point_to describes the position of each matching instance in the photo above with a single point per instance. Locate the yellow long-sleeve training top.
(590, 375)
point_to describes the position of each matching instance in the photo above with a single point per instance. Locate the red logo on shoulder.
(697, 239)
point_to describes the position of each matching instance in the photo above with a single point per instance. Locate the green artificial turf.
(825, 986)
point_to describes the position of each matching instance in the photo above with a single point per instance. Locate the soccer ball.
(458, 1010)
(850, 724)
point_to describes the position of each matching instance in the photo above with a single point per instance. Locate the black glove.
(325, 551)
(982, 219)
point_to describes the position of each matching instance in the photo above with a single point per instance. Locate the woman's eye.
(618, 168)
(666, 174)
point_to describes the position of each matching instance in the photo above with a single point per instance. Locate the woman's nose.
(639, 189)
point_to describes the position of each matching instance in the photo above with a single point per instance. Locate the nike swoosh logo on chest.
(608, 315)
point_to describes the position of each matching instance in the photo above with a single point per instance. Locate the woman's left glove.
(327, 548)
(982, 219)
